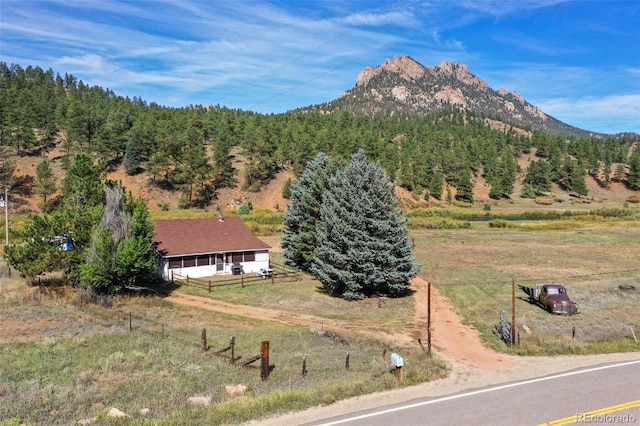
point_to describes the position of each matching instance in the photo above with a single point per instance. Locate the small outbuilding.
(207, 247)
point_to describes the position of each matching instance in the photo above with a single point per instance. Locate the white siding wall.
(262, 261)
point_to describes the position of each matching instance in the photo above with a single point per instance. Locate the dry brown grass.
(475, 269)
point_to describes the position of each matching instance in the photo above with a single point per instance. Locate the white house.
(207, 247)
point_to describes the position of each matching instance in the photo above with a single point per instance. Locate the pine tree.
(619, 173)
(7, 167)
(634, 171)
(436, 185)
(45, 181)
(508, 170)
(539, 176)
(573, 179)
(363, 244)
(606, 171)
(465, 187)
(303, 214)
(131, 158)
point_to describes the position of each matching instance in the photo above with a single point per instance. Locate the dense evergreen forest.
(188, 149)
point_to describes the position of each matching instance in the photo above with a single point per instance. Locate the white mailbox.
(396, 360)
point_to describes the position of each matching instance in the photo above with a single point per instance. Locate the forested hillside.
(188, 149)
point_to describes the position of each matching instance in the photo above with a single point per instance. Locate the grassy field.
(475, 268)
(63, 360)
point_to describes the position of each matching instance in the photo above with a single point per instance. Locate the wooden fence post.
(346, 363)
(203, 339)
(209, 286)
(429, 318)
(187, 279)
(130, 327)
(304, 366)
(242, 280)
(513, 312)
(232, 346)
(264, 360)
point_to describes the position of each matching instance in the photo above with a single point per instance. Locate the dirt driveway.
(451, 339)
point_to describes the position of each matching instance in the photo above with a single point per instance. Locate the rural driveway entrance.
(451, 339)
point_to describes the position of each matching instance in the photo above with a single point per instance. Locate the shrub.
(544, 201)
(499, 223)
(286, 189)
(245, 209)
(528, 191)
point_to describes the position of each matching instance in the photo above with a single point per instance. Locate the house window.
(203, 260)
(175, 262)
(236, 257)
(249, 256)
(188, 261)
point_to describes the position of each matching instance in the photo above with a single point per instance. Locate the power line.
(326, 72)
(285, 65)
(291, 62)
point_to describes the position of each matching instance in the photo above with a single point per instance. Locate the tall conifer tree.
(45, 180)
(303, 214)
(363, 244)
(634, 171)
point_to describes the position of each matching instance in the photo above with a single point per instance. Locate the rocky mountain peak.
(461, 73)
(403, 85)
(405, 66)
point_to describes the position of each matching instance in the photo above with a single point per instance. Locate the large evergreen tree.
(303, 214)
(363, 244)
(539, 176)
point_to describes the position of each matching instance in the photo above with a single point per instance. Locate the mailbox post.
(397, 362)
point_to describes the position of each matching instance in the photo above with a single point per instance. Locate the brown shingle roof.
(198, 236)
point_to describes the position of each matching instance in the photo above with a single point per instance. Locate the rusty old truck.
(552, 297)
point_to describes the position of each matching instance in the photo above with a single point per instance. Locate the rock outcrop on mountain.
(404, 86)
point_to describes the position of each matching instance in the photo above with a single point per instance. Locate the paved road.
(563, 398)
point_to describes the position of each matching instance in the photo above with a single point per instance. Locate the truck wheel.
(549, 309)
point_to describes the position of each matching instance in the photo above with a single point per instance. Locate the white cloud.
(396, 18)
(501, 7)
(609, 114)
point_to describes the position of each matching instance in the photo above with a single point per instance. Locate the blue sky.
(577, 60)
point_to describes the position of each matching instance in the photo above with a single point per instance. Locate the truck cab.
(554, 298)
